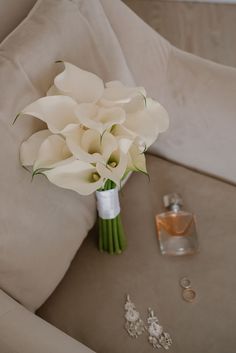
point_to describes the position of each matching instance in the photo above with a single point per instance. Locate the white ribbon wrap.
(108, 204)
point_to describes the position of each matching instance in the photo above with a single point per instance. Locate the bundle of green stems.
(111, 233)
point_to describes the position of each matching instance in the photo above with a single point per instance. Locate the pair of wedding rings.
(188, 293)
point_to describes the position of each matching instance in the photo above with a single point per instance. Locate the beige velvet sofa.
(42, 226)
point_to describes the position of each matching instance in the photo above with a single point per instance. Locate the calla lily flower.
(81, 85)
(89, 146)
(117, 93)
(56, 111)
(94, 134)
(155, 109)
(136, 159)
(29, 148)
(52, 152)
(44, 150)
(99, 118)
(149, 122)
(79, 176)
(115, 167)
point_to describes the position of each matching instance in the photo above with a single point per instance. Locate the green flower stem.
(116, 236)
(111, 233)
(104, 235)
(122, 240)
(100, 241)
(110, 236)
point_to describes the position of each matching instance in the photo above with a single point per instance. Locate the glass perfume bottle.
(176, 228)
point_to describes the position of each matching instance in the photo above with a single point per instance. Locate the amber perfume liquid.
(176, 228)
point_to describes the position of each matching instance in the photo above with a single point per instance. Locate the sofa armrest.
(200, 97)
(23, 332)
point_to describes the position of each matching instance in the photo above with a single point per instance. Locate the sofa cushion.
(41, 226)
(89, 302)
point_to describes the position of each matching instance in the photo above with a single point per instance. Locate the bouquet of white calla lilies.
(96, 134)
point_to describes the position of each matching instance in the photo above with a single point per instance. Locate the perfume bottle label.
(175, 225)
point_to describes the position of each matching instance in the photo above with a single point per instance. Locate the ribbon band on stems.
(108, 204)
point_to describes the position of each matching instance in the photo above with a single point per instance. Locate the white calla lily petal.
(142, 124)
(86, 114)
(77, 176)
(124, 144)
(158, 111)
(56, 111)
(83, 86)
(91, 143)
(117, 93)
(110, 116)
(52, 151)
(109, 145)
(136, 159)
(148, 123)
(29, 148)
(99, 118)
(136, 104)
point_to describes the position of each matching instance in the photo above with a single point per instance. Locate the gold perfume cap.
(172, 199)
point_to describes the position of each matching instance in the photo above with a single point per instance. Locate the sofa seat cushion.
(88, 304)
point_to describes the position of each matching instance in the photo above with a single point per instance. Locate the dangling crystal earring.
(134, 325)
(157, 337)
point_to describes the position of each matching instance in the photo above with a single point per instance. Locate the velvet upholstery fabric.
(89, 303)
(22, 331)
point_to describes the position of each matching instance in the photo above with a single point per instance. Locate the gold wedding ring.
(189, 295)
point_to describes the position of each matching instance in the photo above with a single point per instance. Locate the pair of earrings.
(135, 326)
